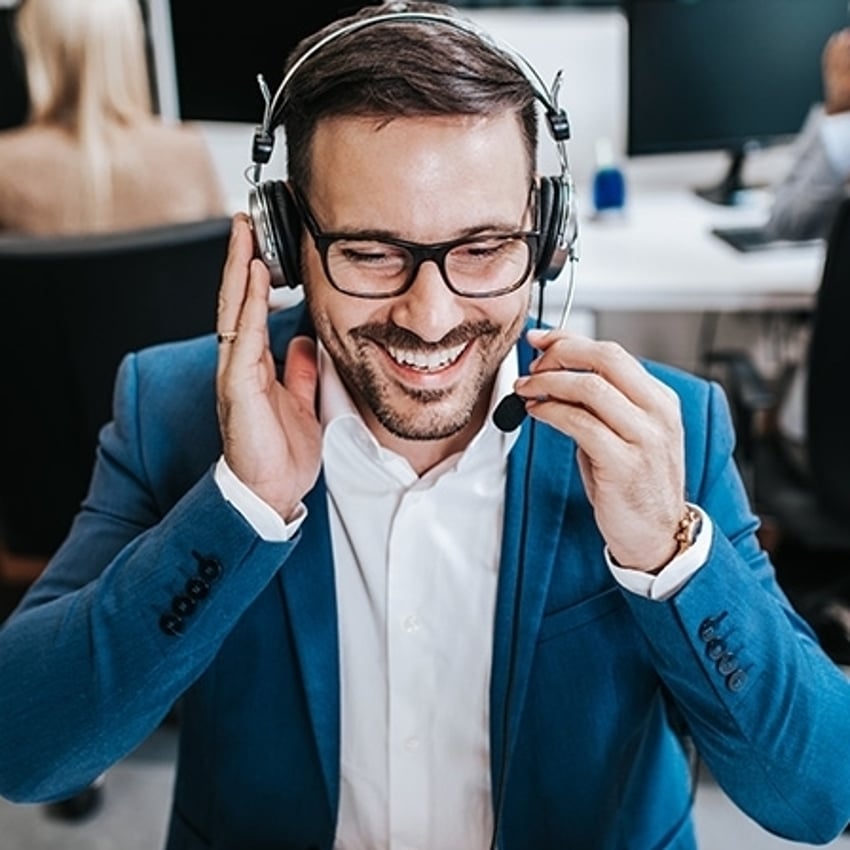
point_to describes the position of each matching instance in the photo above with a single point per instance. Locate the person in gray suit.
(806, 199)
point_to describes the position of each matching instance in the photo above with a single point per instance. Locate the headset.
(274, 215)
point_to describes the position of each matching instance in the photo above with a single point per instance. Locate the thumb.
(301, 370)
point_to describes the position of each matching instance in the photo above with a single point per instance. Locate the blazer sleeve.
(768, 711)
(136, 603)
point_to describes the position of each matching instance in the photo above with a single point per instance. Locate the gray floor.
(136, 795)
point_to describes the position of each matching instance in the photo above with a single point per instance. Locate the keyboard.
(758, 238)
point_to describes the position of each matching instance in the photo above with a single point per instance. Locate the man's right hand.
(270, 432)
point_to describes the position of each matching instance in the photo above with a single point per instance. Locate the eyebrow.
(382, 234)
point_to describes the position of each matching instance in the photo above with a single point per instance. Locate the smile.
(424, 361)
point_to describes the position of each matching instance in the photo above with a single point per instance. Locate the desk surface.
(661, 256)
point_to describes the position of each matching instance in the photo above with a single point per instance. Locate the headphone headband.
(556, 117)
(272, 212)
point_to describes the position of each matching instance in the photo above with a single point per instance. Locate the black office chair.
(806, 509)
(71, 307)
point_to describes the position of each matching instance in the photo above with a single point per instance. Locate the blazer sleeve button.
(183, 605)
(727, 663)
(708, 627)
(735, 681)
(171, 624)
(209, 569)
(715, 648)
(197, 588)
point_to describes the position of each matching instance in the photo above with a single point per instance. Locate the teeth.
(425, 361)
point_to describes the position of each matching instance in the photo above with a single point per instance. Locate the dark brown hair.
(400, 68)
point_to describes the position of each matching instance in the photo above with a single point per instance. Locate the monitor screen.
(216, 71)
(723, 74)
(13, 85)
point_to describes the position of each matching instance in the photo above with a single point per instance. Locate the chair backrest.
(828, 414)
(71, 308)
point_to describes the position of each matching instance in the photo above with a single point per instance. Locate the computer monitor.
(14, 101)
(215, 72)
(729, 75)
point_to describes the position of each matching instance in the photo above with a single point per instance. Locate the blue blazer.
(163, 591)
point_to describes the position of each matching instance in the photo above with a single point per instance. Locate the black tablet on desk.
(758, 238)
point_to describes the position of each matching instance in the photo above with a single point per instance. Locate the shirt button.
(411, 623)
(411, 745)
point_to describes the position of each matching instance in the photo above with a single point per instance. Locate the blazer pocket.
(588, 610)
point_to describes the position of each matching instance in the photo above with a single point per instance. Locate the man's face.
(419, 365)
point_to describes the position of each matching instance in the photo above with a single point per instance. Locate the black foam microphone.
(510, 411)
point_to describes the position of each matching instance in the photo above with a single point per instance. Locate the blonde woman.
(93, 156)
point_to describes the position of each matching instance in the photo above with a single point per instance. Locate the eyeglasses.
(482, 266)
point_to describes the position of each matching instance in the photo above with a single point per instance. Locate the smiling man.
(391, 623)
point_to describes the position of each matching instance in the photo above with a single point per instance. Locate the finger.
(247, 343)
(562, 351)
(234, 279)
(300, 372)
(252, 335)
(582, 404)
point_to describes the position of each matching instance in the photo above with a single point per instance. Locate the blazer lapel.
(310, 592)
(536, 497)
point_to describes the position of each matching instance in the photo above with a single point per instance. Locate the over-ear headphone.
(276, 219)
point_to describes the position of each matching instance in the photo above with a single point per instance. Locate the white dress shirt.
(416, 565)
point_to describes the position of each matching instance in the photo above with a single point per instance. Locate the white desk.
(661, 256)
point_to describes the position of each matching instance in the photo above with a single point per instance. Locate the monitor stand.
(727, 191)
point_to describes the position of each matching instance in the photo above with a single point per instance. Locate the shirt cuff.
(675, 575)
(261, 516)
(835, 134)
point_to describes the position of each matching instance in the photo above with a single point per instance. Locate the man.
(390, 623)
(806, 199)
(804, 207)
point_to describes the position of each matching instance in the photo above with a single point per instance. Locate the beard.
(414, 413)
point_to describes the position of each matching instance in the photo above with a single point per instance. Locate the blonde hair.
(87, 72)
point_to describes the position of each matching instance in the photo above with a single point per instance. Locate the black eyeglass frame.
(419, 253)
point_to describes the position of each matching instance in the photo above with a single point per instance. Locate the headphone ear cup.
(555, 221)
(550, 202)
(276, 223)
(286, 227)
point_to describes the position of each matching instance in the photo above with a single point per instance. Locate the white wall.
(589, 45)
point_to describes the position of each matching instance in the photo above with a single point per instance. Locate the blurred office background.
(682, 94)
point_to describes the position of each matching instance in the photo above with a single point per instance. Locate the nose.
(428, 308)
